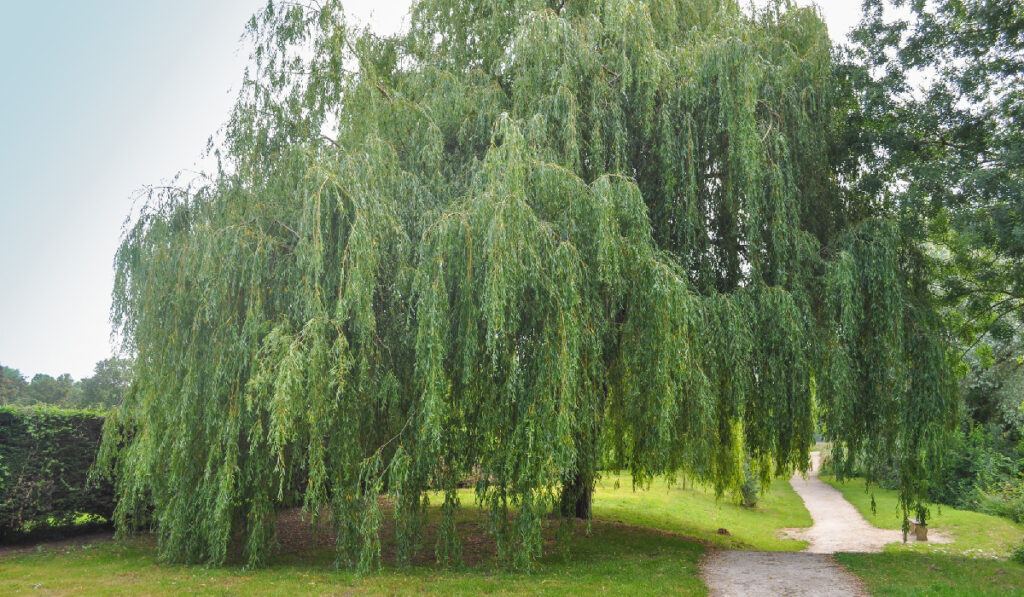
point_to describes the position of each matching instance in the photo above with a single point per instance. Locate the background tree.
(941, 118)
(106, 388)
(526, 240)
(12, 384)
(45, 389)
(937, 123)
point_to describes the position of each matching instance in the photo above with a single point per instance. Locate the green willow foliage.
(522, 242)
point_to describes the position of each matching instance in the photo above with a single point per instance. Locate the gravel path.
(767, 573)
(838, 526)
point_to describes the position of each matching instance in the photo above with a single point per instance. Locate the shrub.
(1006, 500)
(1017, 555)
(750, 489)
(45, 457)
(975, 459)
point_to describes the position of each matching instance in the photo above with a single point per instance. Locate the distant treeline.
(105, 389)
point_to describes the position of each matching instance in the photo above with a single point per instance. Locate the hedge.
(45, 457)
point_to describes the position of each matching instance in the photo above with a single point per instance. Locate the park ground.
(643, 542)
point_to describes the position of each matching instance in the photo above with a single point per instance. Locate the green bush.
(1017, 555)
(45, 457)
(750, 489)
(977, 462)
(1006, 500)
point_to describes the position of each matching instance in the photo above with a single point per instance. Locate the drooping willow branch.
(491, 250)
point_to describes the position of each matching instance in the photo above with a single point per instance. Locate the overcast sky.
(97, 100)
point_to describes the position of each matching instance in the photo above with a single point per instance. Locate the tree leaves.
(523, 243)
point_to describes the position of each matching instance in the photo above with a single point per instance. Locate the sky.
(98, 100)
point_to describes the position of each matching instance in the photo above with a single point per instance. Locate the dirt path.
(838, 526)
(731, 573)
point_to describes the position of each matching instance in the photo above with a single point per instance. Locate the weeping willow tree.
(522, 242)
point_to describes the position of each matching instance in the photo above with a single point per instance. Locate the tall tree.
(45, 389)
(525, 240)
(941, 119)
(106, 388)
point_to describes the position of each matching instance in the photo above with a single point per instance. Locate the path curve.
(838, 526)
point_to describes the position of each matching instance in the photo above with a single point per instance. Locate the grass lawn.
(640, 544)
(904, 573)
(614, 560)
(973, 564)
(695, 512)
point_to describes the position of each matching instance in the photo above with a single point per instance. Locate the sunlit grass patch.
(694, 510)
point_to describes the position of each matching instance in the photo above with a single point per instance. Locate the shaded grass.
(637, 545)
(974, 534)
(615, 560)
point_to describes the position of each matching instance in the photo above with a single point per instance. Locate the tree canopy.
(521, 243)
(940, 116)
(937, 120)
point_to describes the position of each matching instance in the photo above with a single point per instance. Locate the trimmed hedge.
(45, 457)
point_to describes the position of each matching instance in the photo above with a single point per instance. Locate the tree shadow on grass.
(302, 542)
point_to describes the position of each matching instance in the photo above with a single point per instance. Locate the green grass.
(614, 560)
(695, 512)
(973, 564)
(641, 543)
(903, 573)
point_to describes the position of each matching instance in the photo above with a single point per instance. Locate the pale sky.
(97, 100)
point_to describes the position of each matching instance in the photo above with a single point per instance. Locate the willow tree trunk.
(578, 496)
